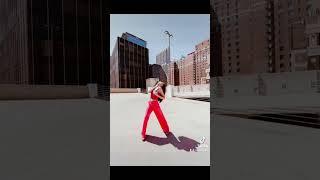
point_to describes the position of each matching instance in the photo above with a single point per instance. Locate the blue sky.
(187, 29)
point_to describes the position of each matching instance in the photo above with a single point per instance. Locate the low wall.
(17, 92)
(266, 84)
(199, 90)
(125, 90)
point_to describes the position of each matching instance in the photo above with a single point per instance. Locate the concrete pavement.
(189, 121)
(251, 150)
(54, 139)
(277, 101)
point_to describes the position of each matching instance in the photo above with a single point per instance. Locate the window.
(229, 58)
(238, 56)
(238, 63)
(281, 65)
(281, 56)
(281, 48)
(237, 43)
(229, 44)
(238, 70)
(229, 64)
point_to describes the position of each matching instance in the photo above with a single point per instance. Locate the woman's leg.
(161, 118)
(146, 119)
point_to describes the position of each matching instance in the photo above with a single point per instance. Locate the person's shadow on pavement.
(181, 143)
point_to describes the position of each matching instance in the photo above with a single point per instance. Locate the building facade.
(276, 35)
(313, 35)
(246, 35)
(129, 64)
(53, 42)
(163, 57)
(173, 78)
(187, 70)
(202, 61)
(290, 38)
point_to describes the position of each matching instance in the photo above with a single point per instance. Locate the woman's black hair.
(164, 91)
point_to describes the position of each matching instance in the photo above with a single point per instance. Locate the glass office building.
(53, 42)
(129, 63)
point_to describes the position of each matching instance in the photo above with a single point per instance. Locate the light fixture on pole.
(169, 35)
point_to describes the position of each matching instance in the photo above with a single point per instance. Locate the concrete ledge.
(20, 92)
(125, 90)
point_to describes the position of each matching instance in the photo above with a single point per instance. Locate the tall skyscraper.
(163, 57)
(173, 78)
(129, 64)
(53, 42)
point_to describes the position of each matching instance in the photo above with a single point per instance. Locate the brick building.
(187, 69)
(202, 61)
(246, 35)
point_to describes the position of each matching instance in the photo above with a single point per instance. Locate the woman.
(157, 94)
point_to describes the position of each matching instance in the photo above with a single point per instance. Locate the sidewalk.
(189, 121)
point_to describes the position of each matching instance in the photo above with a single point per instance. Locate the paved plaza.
(189, 121)
(251, 149)
(54, 139)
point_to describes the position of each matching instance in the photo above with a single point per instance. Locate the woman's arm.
(159, 93)
(153, 88)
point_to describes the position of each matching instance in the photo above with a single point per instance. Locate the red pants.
(154, 106)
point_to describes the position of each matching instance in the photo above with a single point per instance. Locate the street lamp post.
(169, 35)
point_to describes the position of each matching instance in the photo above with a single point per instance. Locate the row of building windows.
(230, 70)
